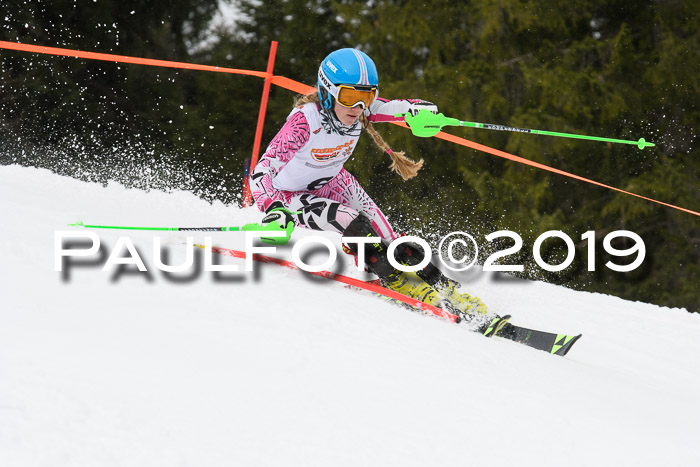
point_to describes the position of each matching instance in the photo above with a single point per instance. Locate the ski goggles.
(350, 96)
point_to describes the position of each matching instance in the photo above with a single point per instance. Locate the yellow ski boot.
(467, 304)
(469, 309)
(411, 285)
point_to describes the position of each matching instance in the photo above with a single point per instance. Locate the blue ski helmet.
(344, 66)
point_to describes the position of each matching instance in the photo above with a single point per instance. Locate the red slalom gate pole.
(247, 195)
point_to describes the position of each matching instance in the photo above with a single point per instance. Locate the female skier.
(300, 179)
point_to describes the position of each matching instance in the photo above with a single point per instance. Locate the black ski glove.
(277, 219)
(277, 213)
(416, 107)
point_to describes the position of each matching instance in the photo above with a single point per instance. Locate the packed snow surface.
(272, 367)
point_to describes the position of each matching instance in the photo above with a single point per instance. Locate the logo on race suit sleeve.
(327, 154)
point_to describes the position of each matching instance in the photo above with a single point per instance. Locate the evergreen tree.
(306, 30)
(612, 68)
(615, 68)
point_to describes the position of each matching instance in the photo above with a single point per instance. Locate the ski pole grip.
(425, 123)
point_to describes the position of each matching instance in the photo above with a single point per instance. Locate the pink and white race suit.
(303, 168)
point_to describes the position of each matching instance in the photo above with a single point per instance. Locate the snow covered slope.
(275, 368)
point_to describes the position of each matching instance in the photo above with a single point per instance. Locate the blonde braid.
(400, 164)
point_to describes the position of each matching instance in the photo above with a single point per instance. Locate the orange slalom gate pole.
(300, 88)
(40, 49)
(247, 195)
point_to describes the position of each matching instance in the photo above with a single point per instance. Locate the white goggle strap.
(332, 88)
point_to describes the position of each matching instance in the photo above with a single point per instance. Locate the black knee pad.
(361, 226)
(376, 256)
(375, 253)
(411, 254)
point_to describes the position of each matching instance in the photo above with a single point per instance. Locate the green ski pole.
(172, 229)
(426, 124)
(272, 227)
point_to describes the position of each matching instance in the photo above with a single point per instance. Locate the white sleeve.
(384, 110)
